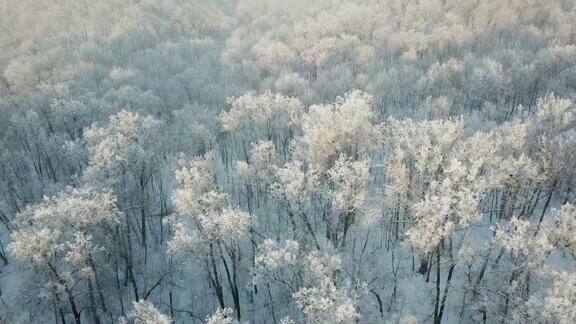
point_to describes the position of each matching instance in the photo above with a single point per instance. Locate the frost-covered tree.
(66, 240)
(144, 312)
(207, 228)
(317, 286)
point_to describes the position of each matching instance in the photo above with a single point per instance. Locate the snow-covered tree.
(64, 238)
(145, 312)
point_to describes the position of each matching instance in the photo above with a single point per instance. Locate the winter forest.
(269, 161)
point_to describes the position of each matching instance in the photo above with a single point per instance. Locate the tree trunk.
(437, 303)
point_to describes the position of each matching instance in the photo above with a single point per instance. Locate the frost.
(145, 312)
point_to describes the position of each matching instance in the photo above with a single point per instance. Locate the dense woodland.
(268, 161)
